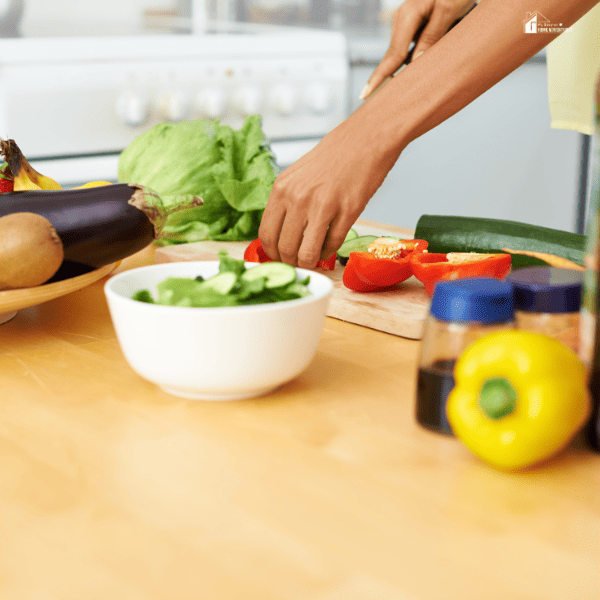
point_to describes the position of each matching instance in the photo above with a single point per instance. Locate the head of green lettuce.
(233, 171)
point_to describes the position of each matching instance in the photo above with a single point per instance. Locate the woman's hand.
(439, 16)
(315, 202)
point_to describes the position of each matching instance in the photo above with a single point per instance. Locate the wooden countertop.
(110, 489)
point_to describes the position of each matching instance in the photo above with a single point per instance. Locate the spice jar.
(547, 301)
(461, 311)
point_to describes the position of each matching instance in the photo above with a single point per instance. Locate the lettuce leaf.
(233, 171)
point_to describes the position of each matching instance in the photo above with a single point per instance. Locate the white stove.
(73, 103)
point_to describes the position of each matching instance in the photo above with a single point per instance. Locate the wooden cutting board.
(400, 311)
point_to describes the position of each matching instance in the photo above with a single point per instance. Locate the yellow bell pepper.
(519, 398)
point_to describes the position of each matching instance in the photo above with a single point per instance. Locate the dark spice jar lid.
(546, 289)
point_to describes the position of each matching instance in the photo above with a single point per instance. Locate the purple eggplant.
(97, 225)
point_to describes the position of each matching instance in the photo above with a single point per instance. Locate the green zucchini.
(477, 234)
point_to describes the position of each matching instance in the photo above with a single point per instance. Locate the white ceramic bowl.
(215, 353)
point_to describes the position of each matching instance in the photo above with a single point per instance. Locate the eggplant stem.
(151, 204)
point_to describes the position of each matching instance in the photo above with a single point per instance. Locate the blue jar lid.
(547, 289)
(474, 299)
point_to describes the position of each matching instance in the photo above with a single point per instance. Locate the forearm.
(488, 45)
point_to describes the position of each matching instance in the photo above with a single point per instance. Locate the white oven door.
(77, 170)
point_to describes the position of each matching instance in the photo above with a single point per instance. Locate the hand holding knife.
(370, 89)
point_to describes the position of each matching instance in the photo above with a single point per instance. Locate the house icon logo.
(533, 20)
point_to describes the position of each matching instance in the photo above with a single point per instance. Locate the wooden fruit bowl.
(70, 278)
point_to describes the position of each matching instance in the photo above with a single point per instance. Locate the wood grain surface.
(325, 489)
(400, 311)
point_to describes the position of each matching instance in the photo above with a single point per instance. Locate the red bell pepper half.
(413, 247)
(429, 268)
(369, 271)
(365, 272)
(256, 253)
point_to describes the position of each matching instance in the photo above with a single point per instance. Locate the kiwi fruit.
(30, 250)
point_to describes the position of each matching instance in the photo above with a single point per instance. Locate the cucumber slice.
(222, 283)
(351, 235)
(357, 244)
(276, 274)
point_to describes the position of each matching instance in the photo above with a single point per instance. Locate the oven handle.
(77, 170)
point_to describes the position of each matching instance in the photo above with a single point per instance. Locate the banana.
(22, 181)
(43, 181)
(92, 184)
(25, 177)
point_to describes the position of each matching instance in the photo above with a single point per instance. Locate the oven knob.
(318, 97)
(132, 108)
(212, 102)
(247, 100)
(283, 100)
(174, 106)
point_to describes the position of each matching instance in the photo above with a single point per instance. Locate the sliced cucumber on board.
(357, 244)
(351, 235)
(477, 234)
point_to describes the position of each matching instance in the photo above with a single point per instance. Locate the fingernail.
(365, 92)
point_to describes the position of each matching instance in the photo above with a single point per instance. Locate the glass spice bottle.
(547, 300)
(461, 311)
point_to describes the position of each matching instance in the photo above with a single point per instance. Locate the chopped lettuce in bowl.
(234, 285)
